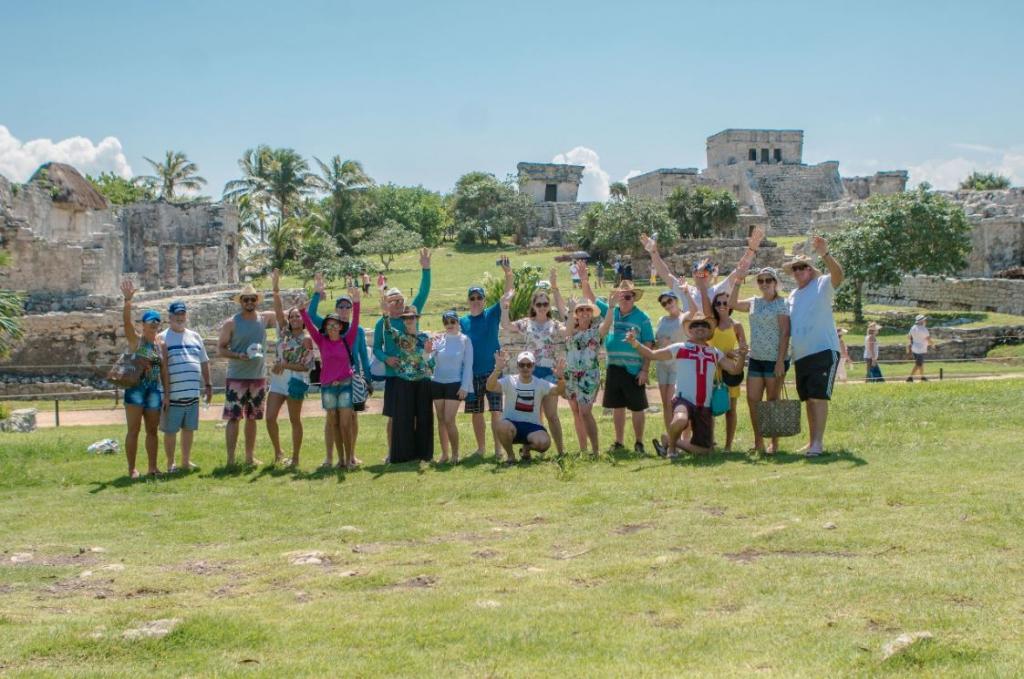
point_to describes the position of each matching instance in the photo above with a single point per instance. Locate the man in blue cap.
(188, 375)
(482, 327)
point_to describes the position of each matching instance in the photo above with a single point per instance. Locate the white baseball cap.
(525, 356)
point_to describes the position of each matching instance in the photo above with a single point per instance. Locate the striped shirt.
(185, 356)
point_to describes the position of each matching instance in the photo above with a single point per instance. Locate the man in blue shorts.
(524, 395)
(188, 376)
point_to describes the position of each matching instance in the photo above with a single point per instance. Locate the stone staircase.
(792, 193)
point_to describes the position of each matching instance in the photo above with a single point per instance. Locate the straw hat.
(799, 259)
(627, 286)
(698, 317)
(874, 326)
(248, 291)
(587, 304)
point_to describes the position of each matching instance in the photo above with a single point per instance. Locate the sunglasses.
(628, 298)
(476, 298)
(667, 301)
(722, 303)
(765, 281)
(541, 304)
(343, 307)
(699, 326)
(525, 365)
(246, 300)
(151, 322)
(451, 321)
(800, 267)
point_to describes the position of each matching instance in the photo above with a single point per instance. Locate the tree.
(917, 232)
(175, 171)
(342, 181)
(618, 191)
(701, 211)
(412, 207)
(388, 242)
(272, 178)
(985, 181)
(252, 192)
(121, 191)
(615, 227)
(490, 207)
(10, 312)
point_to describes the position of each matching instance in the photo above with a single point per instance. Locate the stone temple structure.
(553, 189)
(765, 172)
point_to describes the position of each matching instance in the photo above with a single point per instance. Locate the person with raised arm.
(815, 345)
(144, 403)
(584, 336)
(483, 328)
(769, 344)
(384, 349)
(289, 376)
(243, 341)
(343, 308)
(336, 375)
(413, 430)
(695, 376)
(542, 333)
(728, 335)
(524, 394)
(452, 382)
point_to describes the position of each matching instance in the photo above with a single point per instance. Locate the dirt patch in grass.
(146, 591)
(72, 587)
(750, 555)
(485, 554)
(456, 537)
(418, 582)
(713, 510)
(202, 568)
(370, 548)
(630, 528)
(586, 583)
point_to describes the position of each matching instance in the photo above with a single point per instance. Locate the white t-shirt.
(523, 401)
(695, 371)
(919, 339)
(812, 328)
(573, 273)
(186, 354)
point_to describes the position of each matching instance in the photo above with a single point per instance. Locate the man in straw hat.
(243, 341)
(384, 348)
(696, 363)
(625, 383)
(813, 338)
(918, 342)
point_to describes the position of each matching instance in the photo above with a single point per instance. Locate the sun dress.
(582, 372)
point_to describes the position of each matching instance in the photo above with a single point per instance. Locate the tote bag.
(779, 418)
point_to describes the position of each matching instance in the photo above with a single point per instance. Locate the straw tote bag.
(779, 418)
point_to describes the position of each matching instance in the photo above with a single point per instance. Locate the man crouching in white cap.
(523, 401)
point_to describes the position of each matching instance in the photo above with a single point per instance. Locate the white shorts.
(665, 372)
(279, 383)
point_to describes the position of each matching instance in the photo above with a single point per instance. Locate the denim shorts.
(757, 368)
(148, 395)
(178, 417)
(336, 395)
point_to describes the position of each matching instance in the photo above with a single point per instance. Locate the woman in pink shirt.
(336, 373)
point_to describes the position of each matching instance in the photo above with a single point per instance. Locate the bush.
(525, 282)
(5, 412)
(466, 236)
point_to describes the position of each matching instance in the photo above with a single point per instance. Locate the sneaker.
(638, 448)
(659, 448)
(910, 379)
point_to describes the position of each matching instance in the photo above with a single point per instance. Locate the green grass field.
(728, 566)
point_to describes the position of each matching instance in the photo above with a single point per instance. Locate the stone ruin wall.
(968, 294)
(878, 184)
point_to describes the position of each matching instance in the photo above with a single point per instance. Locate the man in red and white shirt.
(695, 377)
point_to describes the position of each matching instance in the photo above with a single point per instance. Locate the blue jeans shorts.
(756, 368)
(148, 395)
(524, 429)
(337, 395)
(176, 418)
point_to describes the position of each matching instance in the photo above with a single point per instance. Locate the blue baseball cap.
(177, 307)
(476, 289)
(451, 313)
(150, 316)
(668, 293)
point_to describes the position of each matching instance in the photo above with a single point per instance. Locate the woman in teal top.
(144, 402)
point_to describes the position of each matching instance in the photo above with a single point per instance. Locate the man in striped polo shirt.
(188, 372)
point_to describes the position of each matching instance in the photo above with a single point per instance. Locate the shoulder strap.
(351, 360)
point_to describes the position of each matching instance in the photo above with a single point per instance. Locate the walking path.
(311, 407)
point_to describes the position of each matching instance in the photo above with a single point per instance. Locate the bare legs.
(730, 424)
(586, 425)
(680, 423)
(447, 429)
(170, 441)
(817, 417)
(231, 435)
(770, 388)
(506, 433)
(274, 403)
(667, 392)
(345, 434)
(136, 416)
(550, 405)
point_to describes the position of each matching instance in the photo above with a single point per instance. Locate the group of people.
(428, 377)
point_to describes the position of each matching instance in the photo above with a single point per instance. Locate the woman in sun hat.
(452, 381)
(144, 402)
(844, 356)
(769, 346)
(583, 337)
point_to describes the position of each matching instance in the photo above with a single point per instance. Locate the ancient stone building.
(553, 188)
(69, 247)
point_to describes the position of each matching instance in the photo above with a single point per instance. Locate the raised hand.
(355, 292)
(501, 358)
(560, 367)
(275, 279)
(581, 270)
(553, 277)
(613, 299)
(756, 236)
(318, 283)
(127, 289)
(650, 245)
(820, 246)
(424, 258)
(506, 265)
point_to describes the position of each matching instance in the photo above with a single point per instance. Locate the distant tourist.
(243, 341)
(336, 375)
(599, 267)
(874, 371)
(543, 337)
(452, 382)
(844, 357)
(188, 369)
(482, 326)
(728, 336)
(627, 271)
(144, 402)
(574, 274)
(365, 279)
(289, 376)
(814, 340)
(584, 336)
(769, 345)
(382, 282)
(412, 417)
(523, 395)
(919, 341)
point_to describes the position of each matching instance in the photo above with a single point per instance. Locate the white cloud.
(630, 175)
(595, 180)
(947, 173)
(18, 160)
(981, 148)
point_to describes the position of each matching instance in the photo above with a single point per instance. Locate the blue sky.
(423, 92)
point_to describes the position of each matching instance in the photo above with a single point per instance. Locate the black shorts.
(918, 360)
(815, 375)
(622, 391)
(389, 397)
(475, 401)
(702, 422)
(446, 392)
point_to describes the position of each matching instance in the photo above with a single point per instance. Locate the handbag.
(128, 370)
(779, 418)
(719, 399)
(732, 380)
(360, 392)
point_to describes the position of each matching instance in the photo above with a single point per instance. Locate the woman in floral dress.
(582, 373)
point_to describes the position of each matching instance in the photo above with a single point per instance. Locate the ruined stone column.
(207, 269)
(186, 266)
(150, 277)
(169, 265)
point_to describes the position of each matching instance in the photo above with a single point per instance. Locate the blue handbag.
(719, 399)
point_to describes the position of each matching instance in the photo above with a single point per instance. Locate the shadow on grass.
(828, 457)
(126, 481)
(231, 470)
(379, 470)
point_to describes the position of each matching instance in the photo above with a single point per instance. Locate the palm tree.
(176, 171)
(618, 191)
(341, 180)
(288, 178)
(252, 192)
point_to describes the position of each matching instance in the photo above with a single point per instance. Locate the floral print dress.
(413, 362)
(542, 338)
(582, 372)
(291, 348)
